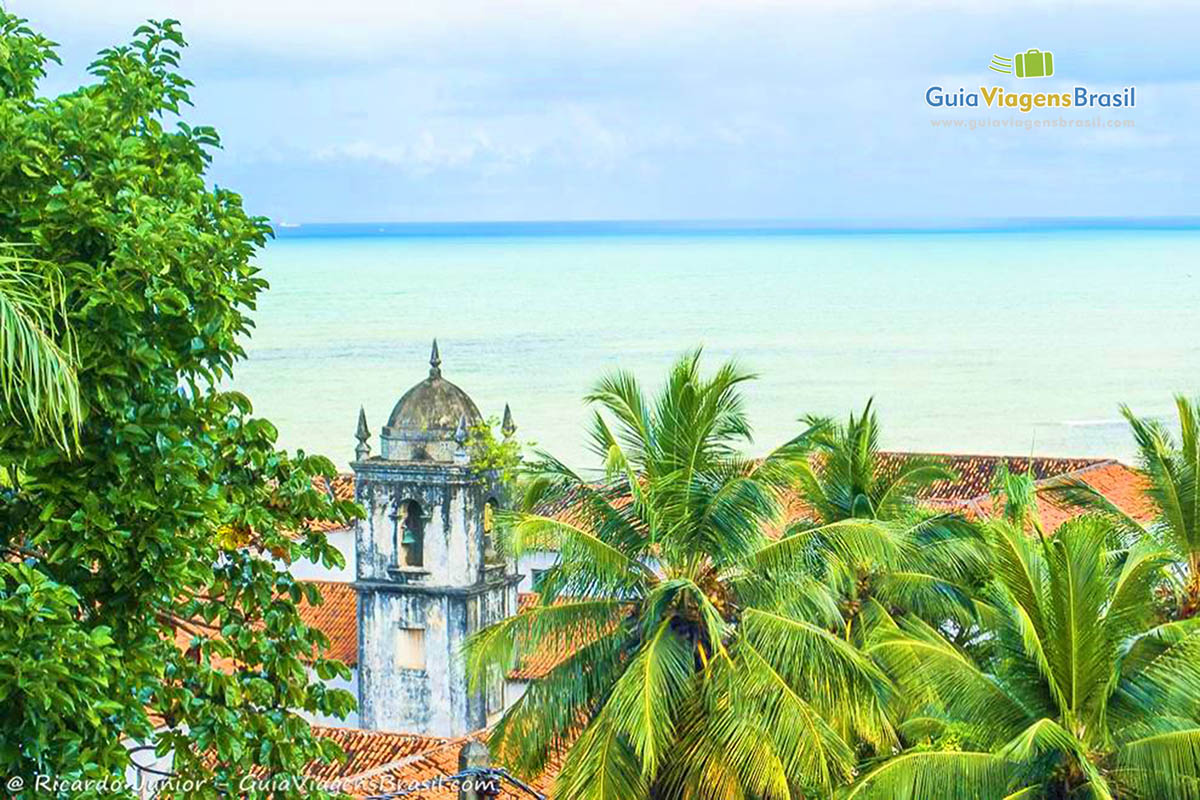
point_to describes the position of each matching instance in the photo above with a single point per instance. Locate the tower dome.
(424, 423)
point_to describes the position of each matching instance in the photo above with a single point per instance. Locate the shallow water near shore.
(990, 342)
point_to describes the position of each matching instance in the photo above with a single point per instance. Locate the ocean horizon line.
(732, 227)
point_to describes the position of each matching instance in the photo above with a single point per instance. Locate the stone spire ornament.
(363, 434)
(460, 440)
(435, 362)
(508, 427)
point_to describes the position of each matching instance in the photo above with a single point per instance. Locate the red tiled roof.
(976, 472)
(363, 751)
(337, 618)
(424, 776)
(1123, 486)
(970, 492)
(537, 664)
(368, 750)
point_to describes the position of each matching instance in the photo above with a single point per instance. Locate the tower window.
(411, 525)
(410, 648)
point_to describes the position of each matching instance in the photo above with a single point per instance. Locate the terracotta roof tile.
(970, 493)
(368, 750)
(363, 752)
(337, 618)
(424, 776)
(976, 472)
(538, 663)
(1123, 486)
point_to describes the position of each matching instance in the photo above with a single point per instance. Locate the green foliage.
(38, 385)
(1081, 695)
(1172, 469)
(704, 663)
(923, 561)
(54, 680)
(145, 586)
(495, 455)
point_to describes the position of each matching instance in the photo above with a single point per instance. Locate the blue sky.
(636, 109)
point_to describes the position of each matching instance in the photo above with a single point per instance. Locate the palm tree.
(703, 659)
(1082, 696)
(37, 364)
(1172, 469)
(934, 560)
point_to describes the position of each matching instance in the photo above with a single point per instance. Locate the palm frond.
(927, 595)
(1163, 765)
(620, 394)
(37, 359)
(848, 540)
(586, 555)
(601, 765)
(1131, 606)
(830, 673)
(929, 774)
(645, 699)
(919, 660)
(1080, 651)
(812, 752)
(553, 707)
(564, 626)
(1172, 473)
(724, 752)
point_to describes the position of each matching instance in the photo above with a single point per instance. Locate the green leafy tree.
(142, 582)
(702, 658)
(1172, 469)
(927, 562)
(1082, 696)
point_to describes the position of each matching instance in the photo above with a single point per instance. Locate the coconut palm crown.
(1172, 469)
(1082, 696)
(933, 560)
(703, 659)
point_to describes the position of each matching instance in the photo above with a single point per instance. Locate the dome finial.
(508, 427)
(435, 362)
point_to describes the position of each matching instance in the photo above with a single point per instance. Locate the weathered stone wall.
(439, 604)
(451, 503)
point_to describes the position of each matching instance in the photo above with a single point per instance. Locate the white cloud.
(372, 26)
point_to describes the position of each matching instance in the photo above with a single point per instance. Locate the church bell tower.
(428, 575)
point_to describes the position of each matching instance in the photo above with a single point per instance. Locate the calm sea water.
(991, 342)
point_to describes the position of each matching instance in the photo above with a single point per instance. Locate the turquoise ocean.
(1007, 338)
